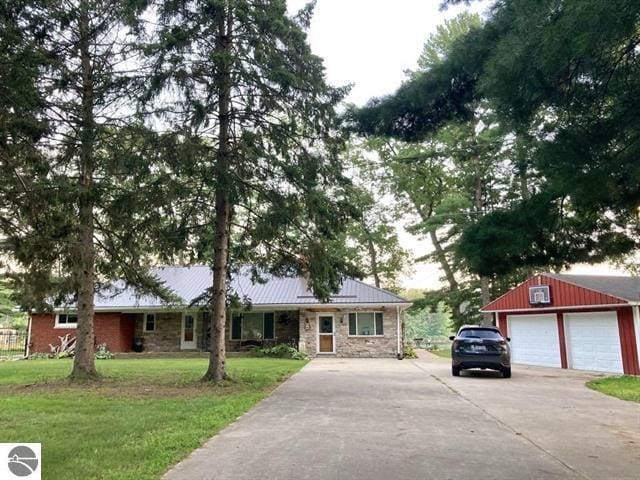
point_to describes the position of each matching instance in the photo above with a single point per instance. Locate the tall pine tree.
(238, 82)
(82, 198)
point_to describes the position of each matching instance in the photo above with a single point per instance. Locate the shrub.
(103, 352)
(409, 352)
(282, 350)
(39, 356)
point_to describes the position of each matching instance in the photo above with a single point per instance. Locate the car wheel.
(455, 371)
(506, 372)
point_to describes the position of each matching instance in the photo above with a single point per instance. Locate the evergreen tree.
(238, 82)
(564, 78)
(78, 210)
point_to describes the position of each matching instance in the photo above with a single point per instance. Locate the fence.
(13, 344)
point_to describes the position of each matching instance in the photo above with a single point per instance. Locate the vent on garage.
(539, 295)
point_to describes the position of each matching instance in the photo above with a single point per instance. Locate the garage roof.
(191, 282)
(570, 291)
(627, 288)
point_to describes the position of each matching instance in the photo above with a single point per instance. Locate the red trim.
(628, 342)
(502, 324)
(562, 341)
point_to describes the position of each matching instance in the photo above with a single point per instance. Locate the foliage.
(39, 356)
(145, 414)
(408, 351)
(563, 78)
(65, 349)
(10, 316)
(447, 181)
(438, 45)
(372, 238)
(281, 350)
(254, 126)
(442, 352)
(425, 323)
(80, 203)
(103, 353)
(624, 388)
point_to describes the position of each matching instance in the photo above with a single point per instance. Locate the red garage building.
(585, 322)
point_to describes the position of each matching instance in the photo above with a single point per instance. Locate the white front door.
(534, 339)
(188, 331)
(593, 341)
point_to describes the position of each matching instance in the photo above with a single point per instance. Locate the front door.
(325, 334)
(188, 334)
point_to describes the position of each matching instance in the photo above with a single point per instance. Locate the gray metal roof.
(626, 288)
(190, 282)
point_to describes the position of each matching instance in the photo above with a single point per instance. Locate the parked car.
(480, 347)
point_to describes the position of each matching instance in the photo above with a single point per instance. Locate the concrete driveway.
(386, 419)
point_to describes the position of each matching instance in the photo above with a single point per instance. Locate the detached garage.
(584, 322)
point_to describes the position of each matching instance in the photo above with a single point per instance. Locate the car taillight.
(456, 345)
(502, 346)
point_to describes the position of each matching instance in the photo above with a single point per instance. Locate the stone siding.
(166, 337)
(350, 346)
(286, 330)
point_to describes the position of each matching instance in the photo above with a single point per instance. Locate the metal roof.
(626, 288)
(191, 282)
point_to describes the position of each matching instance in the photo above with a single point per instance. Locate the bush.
(282, 350)
(39, 356)
(103, 352)
(409, 352)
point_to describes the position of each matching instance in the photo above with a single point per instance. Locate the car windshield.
(480, 333)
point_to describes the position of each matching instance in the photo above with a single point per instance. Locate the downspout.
(399, 333)
(27, 351)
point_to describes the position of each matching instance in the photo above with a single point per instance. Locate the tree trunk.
(485, 297)
(84, 361)
(373, 256)
(444, 264)
(485, 292)
(217, 357)
(440, 255)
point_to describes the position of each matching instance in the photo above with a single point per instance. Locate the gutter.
(574, 307)
(400, 333)
(255, 307)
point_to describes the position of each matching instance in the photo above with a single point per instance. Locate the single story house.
(584, 322)
(359, 321)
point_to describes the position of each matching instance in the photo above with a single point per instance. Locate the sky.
(369, 44)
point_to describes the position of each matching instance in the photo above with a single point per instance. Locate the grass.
(442, 352)
(624, 388)
(142, 417)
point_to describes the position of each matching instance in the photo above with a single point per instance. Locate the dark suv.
(480, 347)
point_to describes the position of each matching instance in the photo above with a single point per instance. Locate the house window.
(64, 320)
(365, 324)
(253, 326)
(150, 322)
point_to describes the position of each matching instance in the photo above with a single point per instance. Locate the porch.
(164, 331)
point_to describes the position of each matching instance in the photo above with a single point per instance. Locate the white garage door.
(593, 341)
(534, 339)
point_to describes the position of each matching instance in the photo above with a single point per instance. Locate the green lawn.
(442, 352)
(144, 416)
(625, 388)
